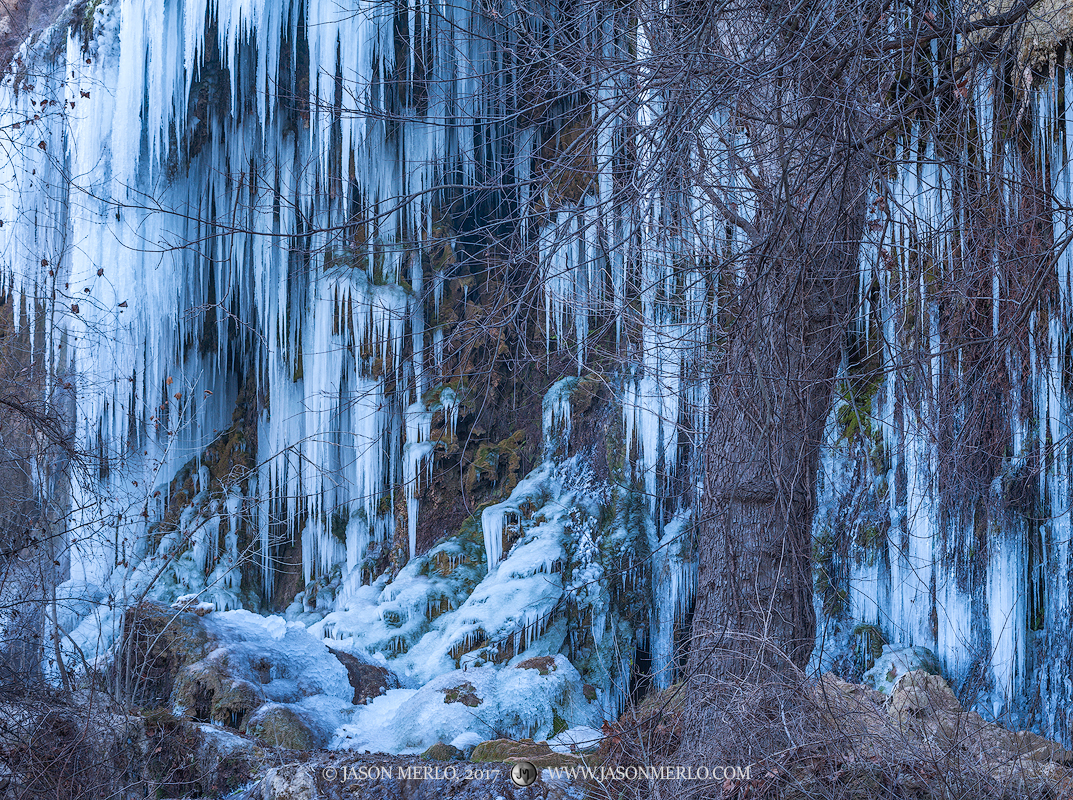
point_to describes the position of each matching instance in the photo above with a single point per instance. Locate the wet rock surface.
(368, 678)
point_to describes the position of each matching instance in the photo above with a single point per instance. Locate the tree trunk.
(782, 330)
(754, 602)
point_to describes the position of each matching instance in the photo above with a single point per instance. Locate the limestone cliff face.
(353, 315)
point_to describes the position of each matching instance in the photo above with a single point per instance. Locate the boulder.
(921, 694)
(277, 725)
(895, 662)
(159, 642)
(226, 761)
(209, 691)
(442, 752)
(367, 678)
(267, 667)
(289, 783)
(525, 703)
(510, 750)
(925, 708)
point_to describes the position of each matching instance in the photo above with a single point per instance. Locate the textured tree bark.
(754, 609)
(783, 330)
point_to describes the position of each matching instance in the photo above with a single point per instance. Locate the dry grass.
(829, 740)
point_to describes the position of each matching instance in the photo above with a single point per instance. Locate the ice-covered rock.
(297, 783)
(235, 669)
(467, 741)
(896, 662)
(280, 725)
(259, 661)
(580, 739)
(190, 602)
(486, 702)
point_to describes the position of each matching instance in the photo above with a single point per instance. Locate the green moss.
(537, 753)
(442, 752)
(558, 724)
(855, 409)
(871, 536)
(823, 546)
(617, 452)
(431, 398)
(340, 520)
(834, 601)
(233, 703)
(383, 505)
(872, 641)
(823, 554)
(497, 466)
(880, 457)
(853, 420)
(486, 461)
(279, 726)
(86, 22)
(377, 275)
(464, 693)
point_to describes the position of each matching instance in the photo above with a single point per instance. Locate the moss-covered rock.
(464, 693)
(278, 725)
(496, 467)
(442, 752)
(207, 691)
(539, 754)
(159, 642)
(172, 742)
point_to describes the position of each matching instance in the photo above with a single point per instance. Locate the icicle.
(417, 464)
(556, 415)
(492, 524)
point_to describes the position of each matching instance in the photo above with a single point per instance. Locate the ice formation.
(516, 702)
(177, 194)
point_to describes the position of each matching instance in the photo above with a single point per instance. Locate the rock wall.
(336, 356)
